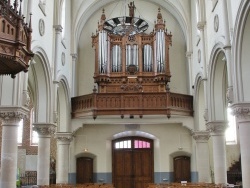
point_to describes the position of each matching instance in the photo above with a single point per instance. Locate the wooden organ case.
(132, 75)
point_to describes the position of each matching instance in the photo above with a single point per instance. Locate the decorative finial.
(30, 27)
(20, 9)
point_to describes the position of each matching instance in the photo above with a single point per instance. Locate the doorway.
(182, 169)
(133, 163)
(84, 170)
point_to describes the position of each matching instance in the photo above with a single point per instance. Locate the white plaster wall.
(168, 139)
(211, 37)
(45, 41)
(65, 47)
(178, 62)
(196, 66)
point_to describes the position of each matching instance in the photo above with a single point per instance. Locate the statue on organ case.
(131, 7)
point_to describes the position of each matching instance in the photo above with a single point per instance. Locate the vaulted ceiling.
(83, 10)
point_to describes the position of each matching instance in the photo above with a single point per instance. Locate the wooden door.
(133, 166)
(182, 169)
(84, 170)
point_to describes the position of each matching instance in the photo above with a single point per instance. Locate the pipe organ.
(132, 61)
(132, 73)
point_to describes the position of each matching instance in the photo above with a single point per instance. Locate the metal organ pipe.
(160, 51)
(103, 55)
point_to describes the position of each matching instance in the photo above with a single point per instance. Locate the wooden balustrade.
(141, 103)
(151, 185)
(85, 185)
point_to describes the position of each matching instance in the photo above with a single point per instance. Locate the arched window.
(214, 4)
(197, 15)
(33, 134)
(42, 5)
(20, 133)
(231, 136)
(63, 19)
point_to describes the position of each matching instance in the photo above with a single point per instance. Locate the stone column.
(58, 31)
(217, 129)
(10, 116)
(63, 141)
(189, 57)
(44, 130)
(242, 113)
(227, 48)
(201, 27)
(74, 75)
(202, 155)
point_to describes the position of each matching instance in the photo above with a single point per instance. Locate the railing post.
(122, 105)
(94, 103)
(168, 101)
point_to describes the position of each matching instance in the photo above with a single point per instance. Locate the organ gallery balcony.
(132, 74)
(132, 104)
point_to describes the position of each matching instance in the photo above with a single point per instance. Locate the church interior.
(124, 94)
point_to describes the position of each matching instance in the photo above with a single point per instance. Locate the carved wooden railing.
(143, 103)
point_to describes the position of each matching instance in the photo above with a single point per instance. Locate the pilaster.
(74, 74)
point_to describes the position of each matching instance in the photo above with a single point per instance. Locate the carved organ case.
(132, 63)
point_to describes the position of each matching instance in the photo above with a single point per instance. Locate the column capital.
(201, 136)
(201, 25)
(58, 28)
(12, 114)
(74, 56)
(189, 54)
(217, 127)
(65, 137)
(241, 111)
(230, 94)
(44, 129)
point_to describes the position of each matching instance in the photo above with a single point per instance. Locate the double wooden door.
(84, 170)
(133, 164)
(182, 169)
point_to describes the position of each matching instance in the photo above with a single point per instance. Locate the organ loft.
(132, 71)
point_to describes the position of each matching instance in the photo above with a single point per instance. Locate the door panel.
(182, 169)
(84, 170)
(132, 167)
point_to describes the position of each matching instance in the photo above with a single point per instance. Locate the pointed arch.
(40, 82)
(175, 8)
(199, 103)
(63, 105)
(217, 84)
(241, 55)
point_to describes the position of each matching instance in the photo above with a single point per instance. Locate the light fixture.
(126, 25)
